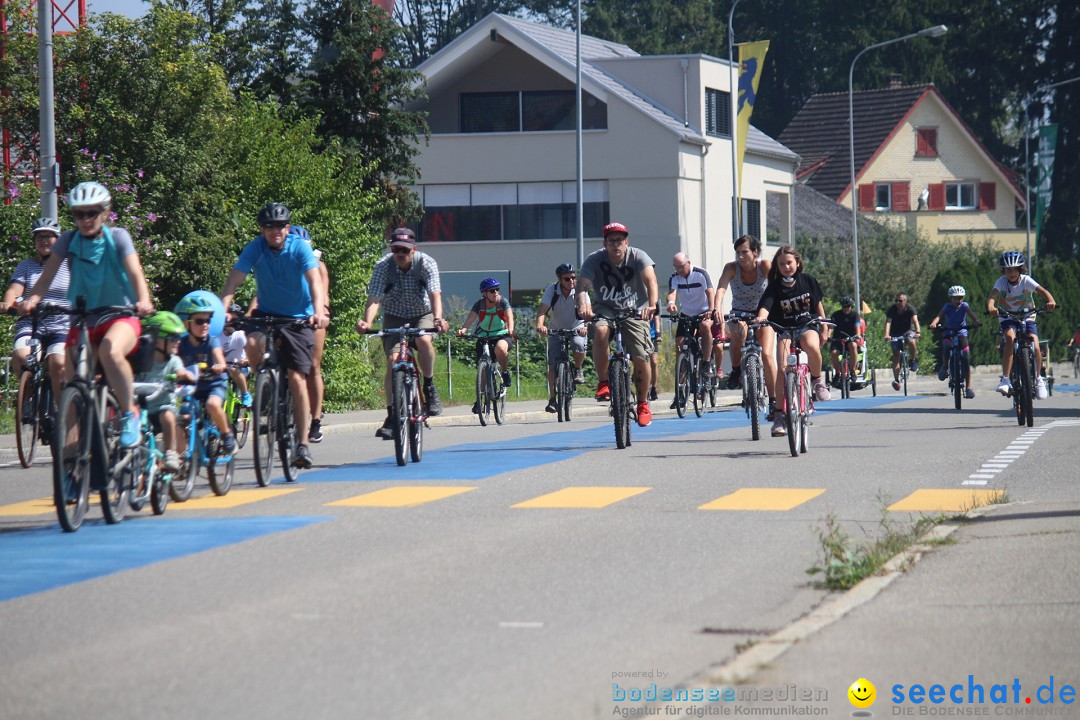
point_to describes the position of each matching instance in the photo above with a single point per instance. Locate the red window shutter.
(937, 196)
(901, 197)
(867, 197)
(926, 143)
(987, 196)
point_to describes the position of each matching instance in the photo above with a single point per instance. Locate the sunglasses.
(569, 278)
(85, 214)
(492, 290)
(200, 321)
(401, 251)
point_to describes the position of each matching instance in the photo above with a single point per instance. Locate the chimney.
(895, 81)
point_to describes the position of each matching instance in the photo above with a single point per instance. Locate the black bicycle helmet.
(564, 269)
(273, 213)
(846, 302)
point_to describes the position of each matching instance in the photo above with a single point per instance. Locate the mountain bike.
(798, 396)
(490, 393)
(564, 373)
(272, 421)
(902, 341)
(1023, 374)
(691, 371)
(408, 408)
(35, 406)
(204, 447)
(620, 366)
(956, 366)
(755, 396)
(239, 416)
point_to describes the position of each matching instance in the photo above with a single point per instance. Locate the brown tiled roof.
(819, 133)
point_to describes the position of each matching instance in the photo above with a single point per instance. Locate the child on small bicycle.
(199, 347)
(790, 297)
(951, 318)
(166, 329)
(233, 341)
(493, 317)
(1017, 292)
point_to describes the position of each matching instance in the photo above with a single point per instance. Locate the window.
(717, 113)
(926, 142)
(960, 196)
(531, 111)
(750, 218)
(883, 193)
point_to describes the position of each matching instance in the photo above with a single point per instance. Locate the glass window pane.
(537, 193)
(446, 195)
(547, 110)
(482, 223)
(440, 224)
(884, 197)
(593, 113)
(489, 112)
(494, 194)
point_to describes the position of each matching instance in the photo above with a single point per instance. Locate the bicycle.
(752, 371)
(86, 436)
(1047, 367)
(564, 374)
(957, 365)
(622, 408)
(490, 395)
(902, 341)
(203, 447)
(798, 397)
(35, 405)
(145, 474)
(1022, 375)
(691, 370)
(845, 380)
(408, 414)
(239, 416)
(272, 419)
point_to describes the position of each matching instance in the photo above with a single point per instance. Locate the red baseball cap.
(615, 227)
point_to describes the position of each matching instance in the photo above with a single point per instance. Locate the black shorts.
(295, 345)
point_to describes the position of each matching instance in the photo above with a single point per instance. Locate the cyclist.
(200, 347)
(901, 320)
(748, 277)
(52, 330)
(233, 341)
(560, 301)
(848, 322)
(1017, 292)
(624, 278)
(287, 284)
(953, 314)
(106, 270)
(493, 317)
(790, 296)
(166, 329)
(1074, 343)
(407, 282)
(693, 288)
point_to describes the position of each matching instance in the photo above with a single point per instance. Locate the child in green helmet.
(166, 328)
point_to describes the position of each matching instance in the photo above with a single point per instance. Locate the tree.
(278, 51)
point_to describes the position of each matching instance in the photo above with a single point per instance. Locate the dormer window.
(926, 142)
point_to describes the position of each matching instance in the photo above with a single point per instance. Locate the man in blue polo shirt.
(287, 284)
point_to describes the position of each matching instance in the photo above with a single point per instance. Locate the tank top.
(745, 298)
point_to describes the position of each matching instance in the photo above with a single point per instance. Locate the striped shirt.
(405, 294)
(26, 274)
(690, 290)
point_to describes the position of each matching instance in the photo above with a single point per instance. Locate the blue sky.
(131, 8)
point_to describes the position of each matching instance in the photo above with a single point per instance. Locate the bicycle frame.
(798, 404)
(408, 412)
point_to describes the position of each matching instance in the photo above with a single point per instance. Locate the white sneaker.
(779, 429)
(1040, 389)
(1004, 386)
(821, 391)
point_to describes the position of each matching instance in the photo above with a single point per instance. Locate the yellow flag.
(751, 62)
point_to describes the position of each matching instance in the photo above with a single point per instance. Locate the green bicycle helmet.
(163, 324)
(190, 305)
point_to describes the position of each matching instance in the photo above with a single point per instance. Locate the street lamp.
(734, 110)
(1027, 173)
(932, 32)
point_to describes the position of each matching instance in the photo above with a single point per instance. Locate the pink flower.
(151, 217)
(139, 173)
(113, 217)
(13, 190)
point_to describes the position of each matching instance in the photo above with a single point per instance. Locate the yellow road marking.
(763, 499)
(41, 506)
(235, 498)
(944, 500)
(583, 497)
(403, 496)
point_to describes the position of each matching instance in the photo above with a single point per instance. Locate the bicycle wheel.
(114, 496)
(750, 377)
(159, 489)
(682, 383)
(698, 385)
(262, 426)
(620, 403)
(27, 425)
(220, 474)
(241, 424)
(71, 460)
(1076, 363)
(806, 407)
(957, 372)
(400, 417)
(482, 406)
(183, 481)
(568, 395)
(1028, 381)
(286, 437)
(562, 376)
(904, 372)
(873, 381)
(792, 418)
(714, 381)
(139, 476)
(416, 425)
(498, 394)
(845, 377)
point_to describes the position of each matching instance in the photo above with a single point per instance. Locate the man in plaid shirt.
(405, 283)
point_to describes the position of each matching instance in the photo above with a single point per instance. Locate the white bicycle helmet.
(46, 224)
(89, 194)
(957, 291)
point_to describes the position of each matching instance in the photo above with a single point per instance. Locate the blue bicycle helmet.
(1012, 258)
(189, 305)
(564, 269)
(488, 283)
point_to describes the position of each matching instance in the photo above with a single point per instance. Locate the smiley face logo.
(862, 693)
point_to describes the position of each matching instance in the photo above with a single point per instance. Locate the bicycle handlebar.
(701, 317)
(399, 331)
(1021, 314)
(563, 333)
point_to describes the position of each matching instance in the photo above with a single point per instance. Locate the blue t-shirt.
(953, 317)
(280, 284)
(193, 353)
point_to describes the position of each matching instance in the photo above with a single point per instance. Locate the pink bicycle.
(798, 397)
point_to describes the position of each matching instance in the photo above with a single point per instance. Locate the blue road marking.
(45, 558)
(459, 462)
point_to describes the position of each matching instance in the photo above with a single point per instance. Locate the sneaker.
(836, 381)
(778, 427)
(228, 444)
(1041, 392)
(896, 385)
(734, 380)
(914, 366)
(1004, 386)
(507, 382)
(821, 391)
(303, 458)
(315, 431)
(644, 414)
(246, 400)
(579, 377)
(942, 373)
(552, 406)
(386, 432)
(652, 394)
(603, 391)
(674, 405)
(434, 404)
(172, 461)
(130, 434)
(969, 394)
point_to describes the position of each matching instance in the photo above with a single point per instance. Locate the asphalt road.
(517, 572)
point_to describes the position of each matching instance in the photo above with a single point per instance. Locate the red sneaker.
(603, 391)
(644, 414)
